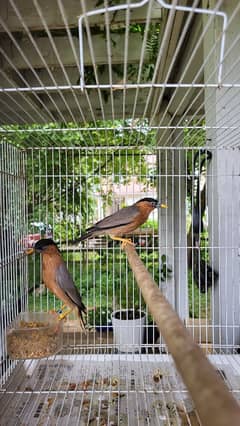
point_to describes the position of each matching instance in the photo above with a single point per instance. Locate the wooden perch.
(213, 401)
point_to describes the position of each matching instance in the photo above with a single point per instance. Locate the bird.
(57, 278)
(123, 221)
(204, 275)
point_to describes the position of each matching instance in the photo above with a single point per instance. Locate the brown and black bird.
(57, 278)
(124, 221)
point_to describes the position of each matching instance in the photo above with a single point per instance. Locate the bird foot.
(62, 314)
(124, 241)
(127, 241)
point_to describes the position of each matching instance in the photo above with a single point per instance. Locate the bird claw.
(124, 241)
(127, 241)
(62, 314)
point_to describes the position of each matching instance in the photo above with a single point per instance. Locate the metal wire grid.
(65, 182)
(13, 272)
(128, 7)
(62, 100)
(62, 389)
(88, 388)
(61, 181)
(23, 102)
(100, 389)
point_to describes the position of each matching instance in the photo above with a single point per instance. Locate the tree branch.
(214, 403)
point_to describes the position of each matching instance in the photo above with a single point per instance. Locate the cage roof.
(95, 64)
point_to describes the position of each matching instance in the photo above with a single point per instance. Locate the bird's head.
(42, 246)
(151, 203)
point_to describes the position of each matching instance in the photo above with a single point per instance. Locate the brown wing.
(120, 218)
(66, 283)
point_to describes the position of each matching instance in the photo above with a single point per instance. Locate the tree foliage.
(67, 169)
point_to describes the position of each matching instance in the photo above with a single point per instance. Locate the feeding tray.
(34, 335)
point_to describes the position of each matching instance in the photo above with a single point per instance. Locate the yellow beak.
(163, 206)
(29, 251)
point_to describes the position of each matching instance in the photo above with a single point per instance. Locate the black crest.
(153, 201)
(43, 243)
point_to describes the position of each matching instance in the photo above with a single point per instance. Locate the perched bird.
(57, 278)
(204, 275)
(123, 221)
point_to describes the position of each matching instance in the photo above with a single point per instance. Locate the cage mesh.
(104, 103)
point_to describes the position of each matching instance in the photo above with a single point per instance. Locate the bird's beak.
(163, 206)
(29, 251)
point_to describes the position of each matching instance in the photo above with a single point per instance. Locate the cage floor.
(102, 390)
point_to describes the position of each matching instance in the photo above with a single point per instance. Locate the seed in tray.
(86, 404)
(158, 404)
(171, 407)
(104, 382)
(37, 341)
(103, 421)
(116, 395)
(104, 404)
(33, 324)
(114, 381)
(157, 375)
(86, 384)
(72, 386)
(50, 402)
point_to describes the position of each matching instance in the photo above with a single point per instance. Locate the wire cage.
(104, 103)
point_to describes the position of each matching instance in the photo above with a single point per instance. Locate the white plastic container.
(128, 329)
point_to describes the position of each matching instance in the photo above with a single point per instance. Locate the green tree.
(66, 169)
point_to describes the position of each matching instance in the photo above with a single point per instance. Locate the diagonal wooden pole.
(214, 403)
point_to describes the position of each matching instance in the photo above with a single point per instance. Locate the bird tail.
(88, 234)
(82, 310)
